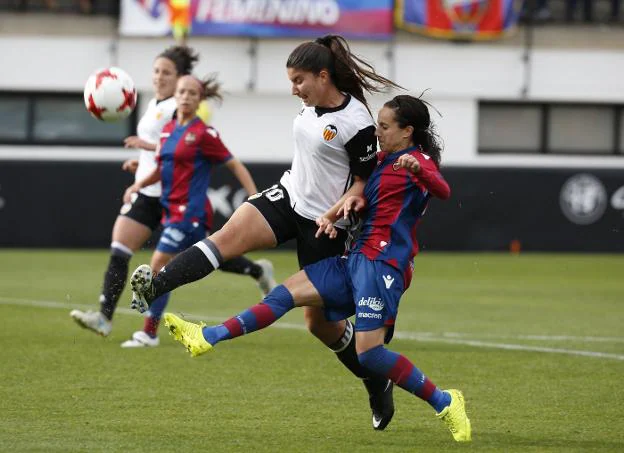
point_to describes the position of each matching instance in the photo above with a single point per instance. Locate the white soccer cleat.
(92, 320)
(141, 340)
(141, 283)
(266, 282)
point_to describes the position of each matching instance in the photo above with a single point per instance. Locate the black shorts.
(274, 204)
(145, 210)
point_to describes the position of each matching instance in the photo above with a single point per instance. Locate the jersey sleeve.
(163, 136)
(430, 177)
(213, 148)
(362, 151)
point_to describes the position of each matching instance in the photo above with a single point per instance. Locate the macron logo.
(388, 280)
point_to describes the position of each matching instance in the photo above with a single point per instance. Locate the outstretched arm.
(326, 221)
(150, 179)
(427, 174)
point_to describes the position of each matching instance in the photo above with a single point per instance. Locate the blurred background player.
(371, 279)
(188, 151)
(139, 218)
(335, 151)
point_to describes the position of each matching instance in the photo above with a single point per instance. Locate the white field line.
(446, 337)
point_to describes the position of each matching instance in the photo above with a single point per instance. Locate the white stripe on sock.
(206, 251)
(119, 246)
(346, 338)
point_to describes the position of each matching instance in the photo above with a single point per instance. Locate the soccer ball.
(109, 94)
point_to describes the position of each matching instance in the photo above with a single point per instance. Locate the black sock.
(242, 265)
(345, 350)
(191, 265)
(114, 281)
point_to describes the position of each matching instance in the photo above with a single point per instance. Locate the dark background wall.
(74, 204)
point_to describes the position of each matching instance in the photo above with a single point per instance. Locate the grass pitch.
(536, 342)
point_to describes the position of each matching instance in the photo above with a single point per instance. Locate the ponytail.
(349, 73)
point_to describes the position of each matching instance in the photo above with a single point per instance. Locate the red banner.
(458, 19)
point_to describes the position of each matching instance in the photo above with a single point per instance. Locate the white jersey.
(153, 120)
(331, 145)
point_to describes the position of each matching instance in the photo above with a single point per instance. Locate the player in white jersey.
(335, 148)
(137, 220)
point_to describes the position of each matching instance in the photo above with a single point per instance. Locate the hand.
(327, 227)
(354, 203)
(407, 161)
(130, 165)
(127, 197)
(134, 142)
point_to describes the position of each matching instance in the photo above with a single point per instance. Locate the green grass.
(64, 389)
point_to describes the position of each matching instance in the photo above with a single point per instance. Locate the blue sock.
(154, 314)
(275, 305)
(157, 307)
(403, 373)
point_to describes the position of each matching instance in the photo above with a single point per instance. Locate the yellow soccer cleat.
(187, 333)
(454, 415)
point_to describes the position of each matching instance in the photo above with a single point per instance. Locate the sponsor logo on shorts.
(388, 280)
(374, 303)
(369, 315)
(168, 241)
(174, 234)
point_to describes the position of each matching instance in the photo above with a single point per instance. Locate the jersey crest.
(189, 139)
(330, 132)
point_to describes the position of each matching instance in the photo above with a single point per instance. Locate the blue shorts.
(177, 237)
(355, 285)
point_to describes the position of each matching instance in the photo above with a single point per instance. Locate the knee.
(326, 331)
(314, 321)
(371, 358)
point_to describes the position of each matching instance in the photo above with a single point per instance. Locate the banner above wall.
(370, 19)
(458, 19)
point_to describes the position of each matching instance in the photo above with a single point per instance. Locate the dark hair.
(412, 111)
(349, 73)
(211, 87)
(184, 58)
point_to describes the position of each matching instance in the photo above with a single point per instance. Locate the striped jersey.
(186, 158)
(331, 145)
(397, 199)
(157, 114)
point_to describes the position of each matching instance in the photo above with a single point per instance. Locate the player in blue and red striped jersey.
(188, 151)
(370, 280)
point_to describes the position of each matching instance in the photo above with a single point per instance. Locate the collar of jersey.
(323, 110)
(162, 100)
(394, 156)
(179, 126)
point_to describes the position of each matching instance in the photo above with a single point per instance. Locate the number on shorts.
(273, 193)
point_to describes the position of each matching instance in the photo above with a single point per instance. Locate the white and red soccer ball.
(109, 94)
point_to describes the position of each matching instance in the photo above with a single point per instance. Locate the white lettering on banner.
(309, 12)
(219, 199)
(373, 302)
(617, 199)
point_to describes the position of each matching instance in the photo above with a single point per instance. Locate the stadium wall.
(66, 196)
(74, 204)
(258, 101)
